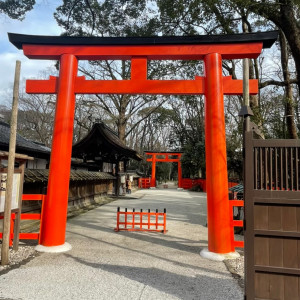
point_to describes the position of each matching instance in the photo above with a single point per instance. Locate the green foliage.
(193, 160)
(188, 134)
(234, 160)
(16, 9)
(274, 117)
(197, 16)
(105, 18)
(112, 18)
(163, 171)
(177, 123)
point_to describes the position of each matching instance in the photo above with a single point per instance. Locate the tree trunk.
(122, 120)
(121, 128)
(254, 99)
(282, 14)
(289, 102)
(290, 27)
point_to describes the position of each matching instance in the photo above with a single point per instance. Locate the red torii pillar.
(165, 158)
(218, 223)
(153, 172)
(212, 50)
(53, 224)
(179, 175)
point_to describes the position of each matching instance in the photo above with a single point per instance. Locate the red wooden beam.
(153, 52)
(30, 216)
(133, 86)
(29, 236)
(32, 197)
(163, 153)
(238, 244)
(238, 223)
(239, 203)
(164, 159)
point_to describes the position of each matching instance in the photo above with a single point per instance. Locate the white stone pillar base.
(218, 256)
(54, 249)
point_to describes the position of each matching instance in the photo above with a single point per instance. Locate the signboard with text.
(15, 190)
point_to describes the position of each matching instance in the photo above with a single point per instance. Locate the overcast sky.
(39, 21)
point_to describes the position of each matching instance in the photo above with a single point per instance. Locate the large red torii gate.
(211, 49)
(166, 158)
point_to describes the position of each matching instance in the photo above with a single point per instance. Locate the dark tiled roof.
(23, 145)
(133, 173)
(112, 136)
(41, 146)
(130, 173)
(41, 175)
(103, 142)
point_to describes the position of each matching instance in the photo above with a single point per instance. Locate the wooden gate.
(272, 219)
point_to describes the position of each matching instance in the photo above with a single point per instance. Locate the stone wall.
(85, 195)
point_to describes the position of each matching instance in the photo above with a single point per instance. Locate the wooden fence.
(272, 216)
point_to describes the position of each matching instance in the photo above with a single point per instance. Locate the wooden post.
(246, 81)
(18, 214)
(246, 91)
(10, 168)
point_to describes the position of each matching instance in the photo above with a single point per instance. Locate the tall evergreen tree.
(114, 18)
(16, 9)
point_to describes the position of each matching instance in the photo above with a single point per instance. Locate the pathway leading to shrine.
(104, 264)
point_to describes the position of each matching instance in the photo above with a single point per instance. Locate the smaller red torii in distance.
(166, 158)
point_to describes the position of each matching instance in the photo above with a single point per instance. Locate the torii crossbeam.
(211, 49)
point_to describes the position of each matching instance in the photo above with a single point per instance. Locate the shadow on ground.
(181, 286)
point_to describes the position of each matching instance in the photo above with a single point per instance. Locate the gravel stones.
(236, 268)
(17, 257)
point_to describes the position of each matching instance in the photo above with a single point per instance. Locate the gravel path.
(129, 265)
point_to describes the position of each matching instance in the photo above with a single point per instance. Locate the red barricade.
(11, 234)
(141, 221)
(26, 235)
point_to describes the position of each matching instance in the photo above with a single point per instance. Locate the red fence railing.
(144, 183)
(188, 183)
(11, 235)
(236, 223)
(26, 216)
(141, 221)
